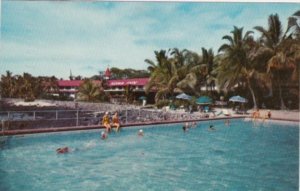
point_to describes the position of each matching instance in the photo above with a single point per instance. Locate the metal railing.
(13, 120)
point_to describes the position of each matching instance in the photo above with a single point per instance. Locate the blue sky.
(51, 38)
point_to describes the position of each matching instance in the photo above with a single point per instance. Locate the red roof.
(107, 73)
(125, 82)
(69, 83)
(72, 83)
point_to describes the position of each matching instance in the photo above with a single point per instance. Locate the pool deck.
(292, 116)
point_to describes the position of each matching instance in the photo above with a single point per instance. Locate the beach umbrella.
(204, 100)
(142, 98)
(183, 96)
(238, 99)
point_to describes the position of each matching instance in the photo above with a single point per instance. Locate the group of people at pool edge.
(104, 134)
(256, 115)
(116, 123)
(108, 126)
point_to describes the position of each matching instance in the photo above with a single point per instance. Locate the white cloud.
(89, 36)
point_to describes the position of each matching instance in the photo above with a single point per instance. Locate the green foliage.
(175, 71)
(27, 87)
(90, 91)
(178, 103)
(163, 76)
(161, 103)
(279, 53)
(235, 68)
(259, 69)
(129, 94)
(128, 73)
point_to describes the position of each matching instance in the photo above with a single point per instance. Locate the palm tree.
(272, 36)
(208, 63)
(175, 73)
(49, 85)
(183, 79)
(278, 52)
(7, 85)
(292, 42)
(129, 94)
(27, 87)
(162, 75)
(89, 91)
(191, 78)
(235, 68)
(294, 25)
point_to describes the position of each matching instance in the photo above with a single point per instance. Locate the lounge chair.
(226, 112)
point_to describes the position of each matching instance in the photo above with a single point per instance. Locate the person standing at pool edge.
(256, 114)
(106, 122)
(116, 122)
(185, 127)
(269, 114)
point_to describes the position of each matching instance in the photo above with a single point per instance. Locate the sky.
(46, 38)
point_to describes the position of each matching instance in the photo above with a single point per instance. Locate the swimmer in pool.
(185, 127)
(194, 124)
(140, 133)
(211, 128)
(103, 135)
(227, 122)
(62, 150)
(86, 146)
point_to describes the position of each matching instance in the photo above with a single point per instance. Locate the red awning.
(126, 82)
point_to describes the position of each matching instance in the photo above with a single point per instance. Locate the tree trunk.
(211, 87)
(252, 93)
(282, 105)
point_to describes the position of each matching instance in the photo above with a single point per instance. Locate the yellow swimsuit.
(105, 120)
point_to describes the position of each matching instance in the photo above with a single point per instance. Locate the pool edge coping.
(93, 127)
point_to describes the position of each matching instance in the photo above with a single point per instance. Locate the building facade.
(117, 89)
(70, 88)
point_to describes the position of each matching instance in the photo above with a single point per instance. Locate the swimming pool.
(236, 157)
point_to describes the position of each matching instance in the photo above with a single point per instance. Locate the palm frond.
(224, 48)
(229, 38)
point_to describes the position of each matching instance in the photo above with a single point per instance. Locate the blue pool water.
(238, 157)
